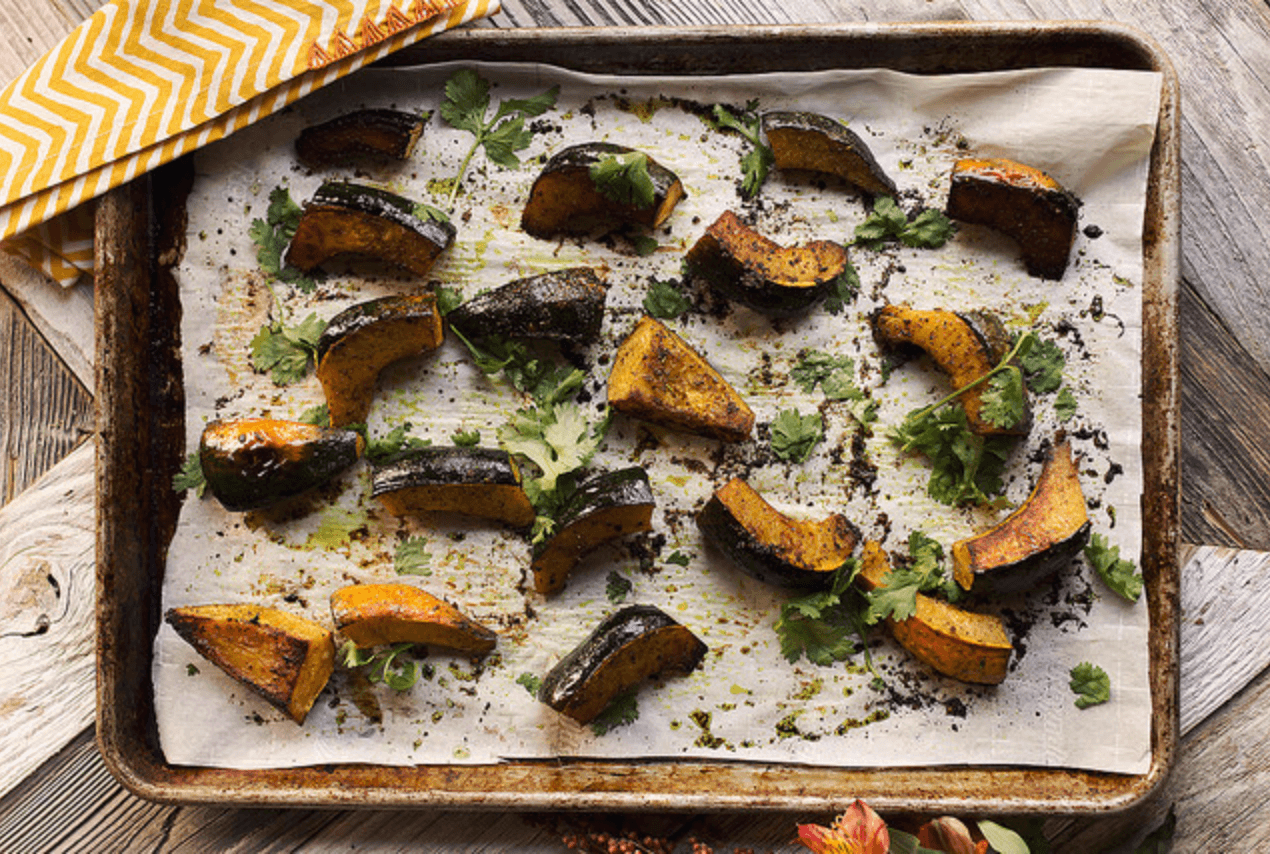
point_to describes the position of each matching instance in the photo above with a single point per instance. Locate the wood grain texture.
(63, 316)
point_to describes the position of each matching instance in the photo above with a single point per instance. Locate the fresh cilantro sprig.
(834, 374)
(665, 301)
(540, 378)
(827, 625)
(845, 288)
(272, 234)
(757, 162)
(465, 107)
(412, 557)
(1043, 367)
(966, 468)
(190, 476)
(1091, 684)
(1117, 573)
(621, 710)
(382, 448)
(466, 438)
(896, 597)
(392, 665)
(930, 229)
(558, 439)
(531, 682)
(318, 416)
(616, 587)
(794, 435)
(285, 352)
(624, 178)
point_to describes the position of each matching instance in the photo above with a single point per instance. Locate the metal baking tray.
(141, 433)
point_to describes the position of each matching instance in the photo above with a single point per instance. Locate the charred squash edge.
(630, 393)
(299, 644)
(979, 653)
(564, 305)
(379, 614)
(842, 151)
(772, 547)
(478, 482)
(1042, 536)
(276, 460)
(751, 269)
(361, 134)
(640, 639)
(608, 506)
(584, 208)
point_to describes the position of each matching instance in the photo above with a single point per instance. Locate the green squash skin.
(442, 465)
(354, 319)
(360, 135)
(565, 305)
(248, 476)
(621, 488)
(563, 688)
(878, 183)
(753, 557)
(390, 206)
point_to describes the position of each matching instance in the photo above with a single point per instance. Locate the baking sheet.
(800, 714)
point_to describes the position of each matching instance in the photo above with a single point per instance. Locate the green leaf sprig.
(622, 710)
(624, 178)
(1117, 573)
(834, 374)
(795, 435)
(391, 665)
(930, 229)
(1091, 684)
(465, 107)
(827, 625)
(284, 351)
(272, 234)
(896, 597)
(412, 557)
(665, 301)
(190, 476)
(397, 440)
(758, 161)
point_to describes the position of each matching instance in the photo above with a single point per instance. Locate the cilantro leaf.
(412, 557)
(466, 438)
(1043, 364)
(664, 301)
(426, 212)
(285, 352)
(834, 374)
(896, 597)
(1065, 405)
(272, 234)
(1117, 573)
(1091, 685)
(390, 665)
(465, 106)
(826, 624)
(448, 299)
(624, 178)
(845, 288)
(622, 710)
(530, 682)
(1003, 401)
(794, 435)
(966, 468)
(617, 587)
(190, 476)
(758, 161)
(930, 229)
(394, 442)
(318, 416)
(678, 558)
(645, 245)
(543, 380)
(557, 440)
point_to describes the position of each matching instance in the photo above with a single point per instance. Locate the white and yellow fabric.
(142, 82)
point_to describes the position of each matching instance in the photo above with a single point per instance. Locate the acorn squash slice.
(479, 482)
(254, 462)
(633, 644)
(607, 506)
(1021, 202)
(361, 341)
(965, 346)
(353, 219)
(772, 547)
(658, 377)
(802, 140)
(747, 267)
(965, 645)
(380, 614)
(358, 136)
(566, 305)
(284, 658)
(565, 200)
(1042, 536)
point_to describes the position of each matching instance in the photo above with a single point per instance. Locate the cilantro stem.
(458, 179)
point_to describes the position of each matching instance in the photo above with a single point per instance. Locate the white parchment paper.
(1091, 129)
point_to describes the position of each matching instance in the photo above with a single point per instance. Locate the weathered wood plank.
(64, 316)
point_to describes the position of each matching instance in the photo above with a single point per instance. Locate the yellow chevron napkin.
(142, 82)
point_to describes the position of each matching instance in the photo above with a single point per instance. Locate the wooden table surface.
(55, 793)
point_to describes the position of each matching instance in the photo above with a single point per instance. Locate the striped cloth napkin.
(142, 82)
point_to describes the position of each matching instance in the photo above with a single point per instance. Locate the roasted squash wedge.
(965, 645)
(637, 642)
(379, 614)
(747, 267)
(360, 135)
(254, 462)
(1021, 202)
(565, 200)
(284, 658)
(965, 346)
(565, 305)
(1039, 538)
(607, 506)
(770, 546)
(354, 219)
(479, 482)
(658, 377)
(802, 140)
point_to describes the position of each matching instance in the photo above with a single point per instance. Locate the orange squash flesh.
(965, 645)
(363, 340)
(965, 347)
(380, 614)
(1043, 535)
(802, 140)
(658, 377)
(284, 658)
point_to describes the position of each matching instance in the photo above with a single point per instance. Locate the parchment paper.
(1091, 129)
